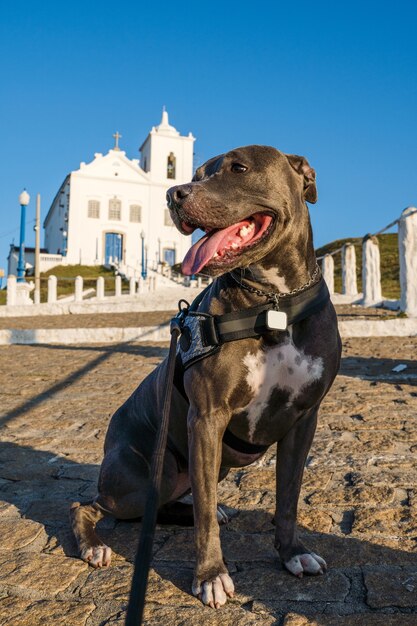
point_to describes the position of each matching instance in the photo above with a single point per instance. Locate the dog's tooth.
(251, 226)
(235, 245)
(243, 231)
(215, 255)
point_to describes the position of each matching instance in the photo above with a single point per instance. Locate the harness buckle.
(177, 322)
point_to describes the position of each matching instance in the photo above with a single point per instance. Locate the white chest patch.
(283, 367)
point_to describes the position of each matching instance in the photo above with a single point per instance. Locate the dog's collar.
(275, 296)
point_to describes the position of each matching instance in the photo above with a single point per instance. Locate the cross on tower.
(116, 136)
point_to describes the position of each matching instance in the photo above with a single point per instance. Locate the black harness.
(203, 334)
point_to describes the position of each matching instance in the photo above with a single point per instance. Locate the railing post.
(132, 286)
(328, 272)
(78, 289)
(100, 288)
(11, 290)
(52, 289)
(371, 271)
(118, 286)
(349, 282)
(407, 245)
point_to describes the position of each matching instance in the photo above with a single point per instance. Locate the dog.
(258, 390)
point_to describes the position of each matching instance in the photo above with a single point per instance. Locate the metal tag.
(276, 320)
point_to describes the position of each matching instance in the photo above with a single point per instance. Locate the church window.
(135, 213)
(94, 209)
(171, 165)
(115, 209)
(167, 219)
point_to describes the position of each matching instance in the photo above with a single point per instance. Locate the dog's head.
(246, 201)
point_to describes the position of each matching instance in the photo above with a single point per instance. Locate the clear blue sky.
(336, 82)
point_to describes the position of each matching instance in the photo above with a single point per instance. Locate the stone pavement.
(358, 507)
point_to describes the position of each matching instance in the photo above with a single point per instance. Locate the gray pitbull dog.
(251, 202)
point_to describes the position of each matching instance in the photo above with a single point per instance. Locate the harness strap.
(218, 329)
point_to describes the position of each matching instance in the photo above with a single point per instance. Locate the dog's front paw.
(307, 563)
(214, 592)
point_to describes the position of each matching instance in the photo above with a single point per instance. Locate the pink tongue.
(202, 251)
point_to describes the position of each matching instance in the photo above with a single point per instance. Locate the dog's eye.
(238, 167)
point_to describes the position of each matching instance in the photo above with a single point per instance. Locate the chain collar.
(275, 296)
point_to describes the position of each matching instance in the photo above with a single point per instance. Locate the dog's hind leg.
(122, 491)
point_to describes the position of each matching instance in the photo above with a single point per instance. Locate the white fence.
(371, 268)
(18, 293)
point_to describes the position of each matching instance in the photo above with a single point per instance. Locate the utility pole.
(37, 229)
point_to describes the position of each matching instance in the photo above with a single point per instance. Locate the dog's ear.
(302, 166)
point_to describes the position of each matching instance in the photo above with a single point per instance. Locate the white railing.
(371, 267)
(18, 292)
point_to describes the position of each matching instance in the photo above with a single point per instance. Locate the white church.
(105, 210)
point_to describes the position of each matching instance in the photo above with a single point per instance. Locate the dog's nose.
(176, 195)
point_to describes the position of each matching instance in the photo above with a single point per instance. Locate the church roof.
(165, 127)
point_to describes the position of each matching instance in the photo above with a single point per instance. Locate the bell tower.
(166, 155)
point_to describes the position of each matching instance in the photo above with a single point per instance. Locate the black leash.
(143, 557)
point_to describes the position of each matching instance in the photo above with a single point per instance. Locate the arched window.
(115, 209)
(94, 209)
(171, 162)
(135, 213)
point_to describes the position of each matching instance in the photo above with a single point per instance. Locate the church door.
(169, 256)
(114, 242)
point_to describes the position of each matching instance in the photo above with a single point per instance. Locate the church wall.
(86, 243)
(170, 237)
(55, 223)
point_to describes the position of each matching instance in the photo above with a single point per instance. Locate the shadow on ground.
(42, 486)
(372, 368)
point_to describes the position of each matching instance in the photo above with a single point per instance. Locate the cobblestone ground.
(358, 505)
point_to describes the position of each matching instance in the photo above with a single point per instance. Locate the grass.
(66, 280)
(390, 269)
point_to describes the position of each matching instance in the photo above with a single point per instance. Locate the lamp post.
(24, 200)
(159, 250)
(144, 272)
